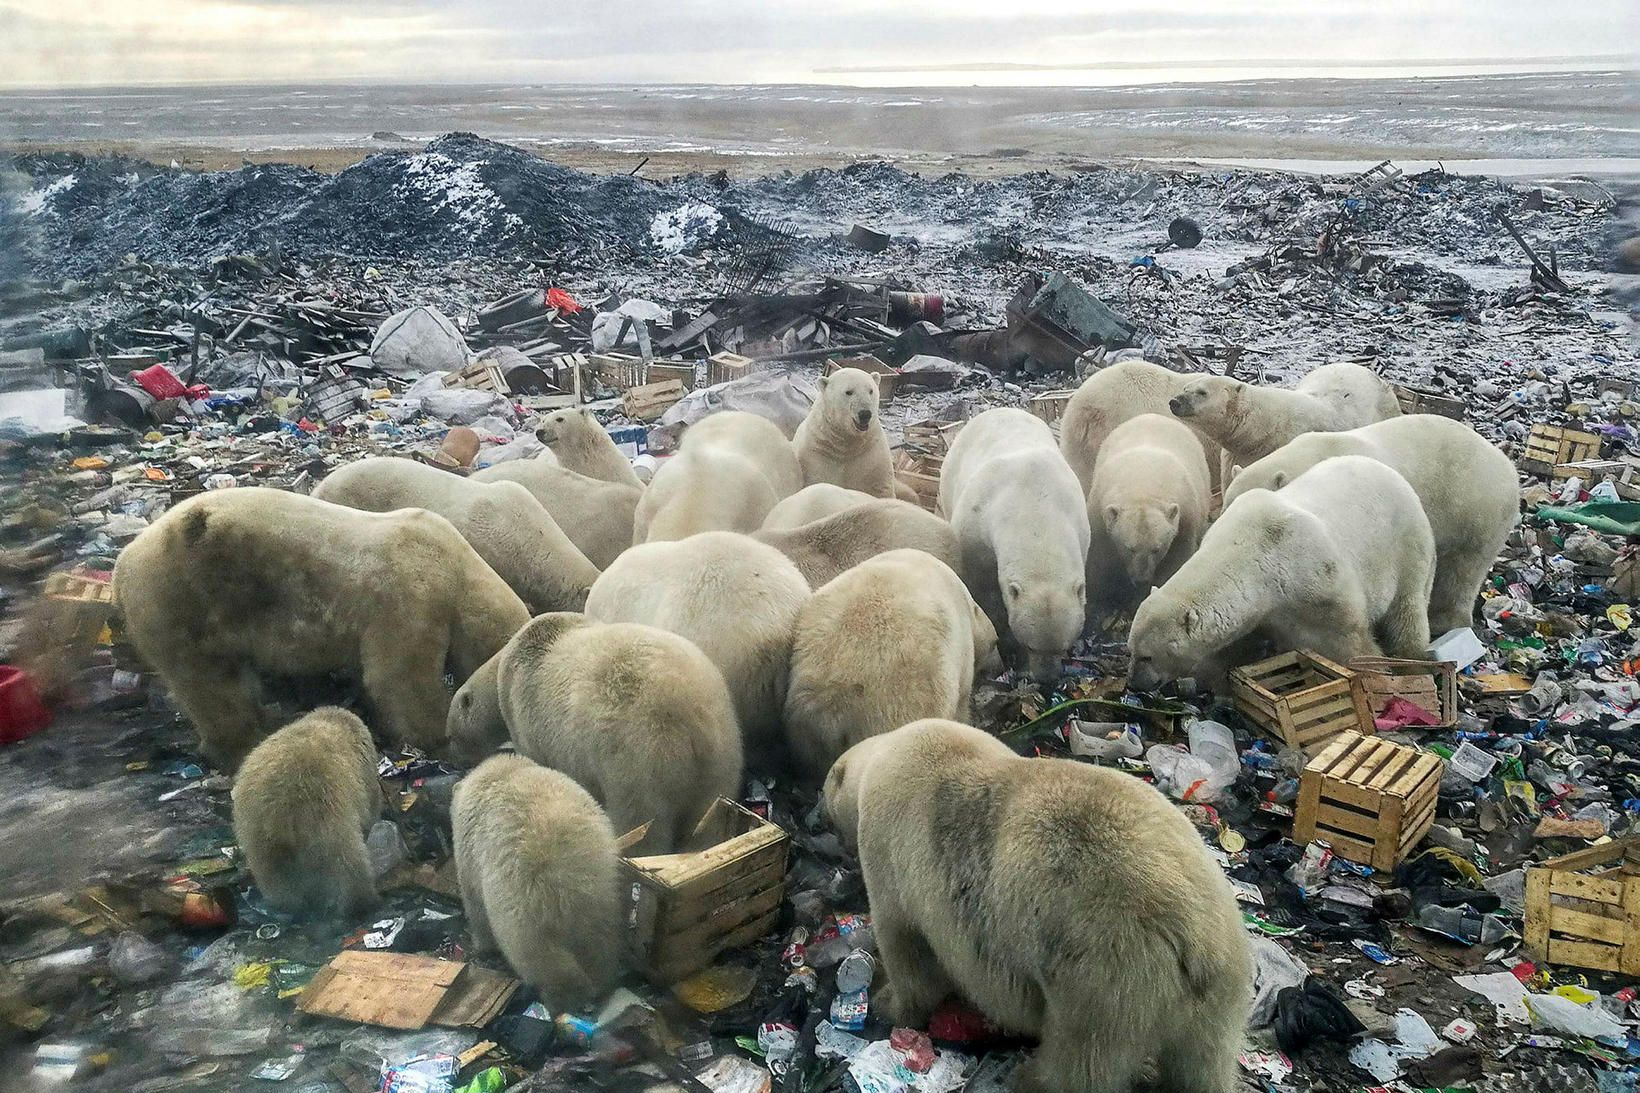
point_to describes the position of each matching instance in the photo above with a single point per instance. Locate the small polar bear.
(1340, 561)
(284, 585)
(539, 872)
(841, 441)
(827, 547)
(1468, 488)
(1147, 507)
(595, 514)
(637, 716)
(813, 503)
(580, 444)
(506, 525)
(1022, 527)
(1112, 396)
(303, 802)
(895, 639)
(731, 469)
(1125, 949)
(734, 597)
(1251, 422)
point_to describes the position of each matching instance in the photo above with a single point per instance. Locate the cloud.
(742, 41)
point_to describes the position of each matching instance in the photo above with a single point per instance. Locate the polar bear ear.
(1278, 480)
(1111, 514)
(823, 380)
(872, 378)
(1172, 511)
(1013, 590)
(1192, 620)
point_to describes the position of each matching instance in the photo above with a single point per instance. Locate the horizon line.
(1233, 63)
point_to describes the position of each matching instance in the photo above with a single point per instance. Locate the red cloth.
(1401, 713)
(22, 714)
(162, 383)
(563, 301)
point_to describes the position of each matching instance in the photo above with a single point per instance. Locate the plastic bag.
(418, 340)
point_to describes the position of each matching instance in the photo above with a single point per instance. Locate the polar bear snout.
(862, 420)
(1143, 675)
(1180, 405)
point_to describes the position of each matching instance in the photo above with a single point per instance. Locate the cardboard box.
(404, 991)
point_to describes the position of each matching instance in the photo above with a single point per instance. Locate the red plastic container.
(22, 714)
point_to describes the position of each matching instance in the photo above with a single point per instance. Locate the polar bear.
(503, 522)
(580, 444)
(895, 639)
(595, 514)
(730, 471)
(1022, 527)
(234, 583)
(734, 597)
(637, 716)
(1124, 947)
(539, 872)
(841, 441)
(1469, 490)
(813, 503)
(1147, 507)
(1111, 396)
(303, 802)
(1251, 422)
(825, 548)
(1341, 561)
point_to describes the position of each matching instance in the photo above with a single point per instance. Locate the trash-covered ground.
(167, 332)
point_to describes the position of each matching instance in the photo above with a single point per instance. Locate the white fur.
(1469, 490)
(1111, 396)
(1022, 526)
(595, 514)
(1340, 562)
(734, 597)
(1359, 396)
(841, 441)
(1147, 506)
(813, 503)
(579, 443)
(731, 469)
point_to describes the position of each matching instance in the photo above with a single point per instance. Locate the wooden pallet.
(1302, 699)
(1583, 908)
(1430, 684)
(683, 910)
(1370, 800)
(1549, 446)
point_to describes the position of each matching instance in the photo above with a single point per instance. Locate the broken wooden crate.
(683, 910)
(1301, 698)
(1548, 446)
(920, 473)
(725, 366)
(888, 377)
(480, 376)
(1583, 908)
(651, 400)
(1050, 407)
(1428, 684)
(1370, 800)
(932, 436)
(1419, 400)
(400, 990)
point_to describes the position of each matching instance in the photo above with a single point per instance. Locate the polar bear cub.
(539, 872)
(637, 716)
(1124, 944)
(1341, 561)
(1022, 526)
(894, 639)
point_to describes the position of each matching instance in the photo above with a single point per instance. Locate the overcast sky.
(79, 42)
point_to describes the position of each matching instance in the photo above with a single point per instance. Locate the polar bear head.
(475, 725)
(1143, 534)
(1046, 616)
(564, 427)
(848, 401)
(1209, 397)
(1166, 640)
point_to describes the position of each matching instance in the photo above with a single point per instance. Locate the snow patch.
(34, 202)
(685, 227)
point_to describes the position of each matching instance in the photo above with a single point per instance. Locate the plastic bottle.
(385, 845)
(1460, 923)
(855, 972)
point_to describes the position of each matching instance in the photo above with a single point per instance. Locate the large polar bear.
(1022, 525)
(734, 597)
(1340, 561)
(1147, 507)
(841, 441)
(595, 514)
(813, 503)
(1251, 422)
(825, 548)
(302, 803)
(539, 872)
(1067, 902)
(895, 639)
(731, 469)
(1112, 396)
(579, 443)
(1469, 489)
(636, 715)
(503, 522)
(234, 583)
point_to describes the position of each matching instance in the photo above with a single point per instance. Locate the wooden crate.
(1430, 684)
(726, 366)
(619, 371)
(1370, 800)
(1583, 908)
(683, 910)
(932, 437)
(1418, 400)
(682, 371)
(1302, 699)
(1050, 407)
(888, 377)
(920, 473)
(1548, 446)
(480, 376)
(650, 401)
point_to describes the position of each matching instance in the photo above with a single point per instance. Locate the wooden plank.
(1334, 751)
(688, 963)
(1358, 797)
(1594, 855)
(1386, 849)
(1581, 887)
(1346, 846)
(1347, 819)
(672, 948)
(1311, 697)
(1537, 913)
(1399, 762)
(1581, 954)
(684, 914)
(1582, 925)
